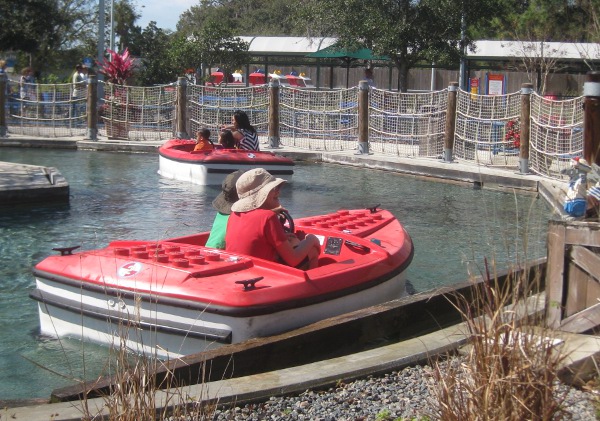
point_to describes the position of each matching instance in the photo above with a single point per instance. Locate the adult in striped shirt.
(244, 133)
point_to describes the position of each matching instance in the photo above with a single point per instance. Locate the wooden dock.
(31, 184)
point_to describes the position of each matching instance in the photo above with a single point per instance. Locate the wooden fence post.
(92, 108)
(363, 118)
(525, 126)
(591, 118)
(450, 121)
(3, 82)
(274, 114)
(181, 110)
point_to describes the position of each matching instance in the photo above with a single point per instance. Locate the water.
(120, 196)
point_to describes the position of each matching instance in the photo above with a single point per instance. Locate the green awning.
(333, 51)
(347, 56)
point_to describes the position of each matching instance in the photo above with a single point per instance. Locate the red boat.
(257, 78)
(178, 160)
(299, 81)
(176, 297)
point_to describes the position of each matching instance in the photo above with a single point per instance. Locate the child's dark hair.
(205, 133)
(227, 139)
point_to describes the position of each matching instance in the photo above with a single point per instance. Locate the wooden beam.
(587, 261)
(556, 267)
(582, 321)
(583, 234)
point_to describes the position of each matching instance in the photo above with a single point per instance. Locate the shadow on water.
(120, 196)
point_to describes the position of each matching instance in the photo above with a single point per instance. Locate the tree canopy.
(46, 29)
(212, 46)
(410, 32)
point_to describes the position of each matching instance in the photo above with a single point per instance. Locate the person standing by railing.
(26, 88)
(79, 89)
(79, 76)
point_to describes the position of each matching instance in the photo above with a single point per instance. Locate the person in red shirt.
(254, 228)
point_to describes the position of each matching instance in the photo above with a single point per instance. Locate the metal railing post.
(92, 108)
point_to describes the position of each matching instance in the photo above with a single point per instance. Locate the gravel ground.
(401, 395)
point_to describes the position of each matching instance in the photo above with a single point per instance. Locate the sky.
(164, 13)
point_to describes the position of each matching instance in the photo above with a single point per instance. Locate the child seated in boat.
(254, 228)
(203, 143)
(222, 204)
(226, 139)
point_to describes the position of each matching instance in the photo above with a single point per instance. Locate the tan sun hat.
(228, 195)
(253, 187)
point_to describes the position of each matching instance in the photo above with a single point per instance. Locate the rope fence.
(407, 124)
(47, 110)
(486, 130)
(481, 128)
(556, 134)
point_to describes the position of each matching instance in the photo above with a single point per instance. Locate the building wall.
(420, 79)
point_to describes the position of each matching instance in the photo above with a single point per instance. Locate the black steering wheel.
(284, 216)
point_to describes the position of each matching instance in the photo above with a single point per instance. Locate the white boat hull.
(141, 325)
(212, 173)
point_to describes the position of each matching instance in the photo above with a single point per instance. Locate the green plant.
(119, 68)
(383, 415)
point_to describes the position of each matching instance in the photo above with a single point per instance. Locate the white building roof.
(499, 50)
(287, 45)
(484, 50)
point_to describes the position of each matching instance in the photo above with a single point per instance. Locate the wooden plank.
(555, 276)
(582, 321)
(593, 292)
(586, 260)
(583, 233)
(576, 291)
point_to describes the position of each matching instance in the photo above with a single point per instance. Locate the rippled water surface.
(120, 196)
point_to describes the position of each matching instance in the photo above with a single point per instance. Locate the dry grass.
(510, 370)
(135, 393)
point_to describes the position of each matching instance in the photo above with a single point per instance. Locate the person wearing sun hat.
(222, 204)
(254, 228)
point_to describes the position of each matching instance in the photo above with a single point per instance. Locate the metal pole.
(101, 28)
(462, 69)
(92, 110)
(274, 114)
(112, 25)
(101, 41)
